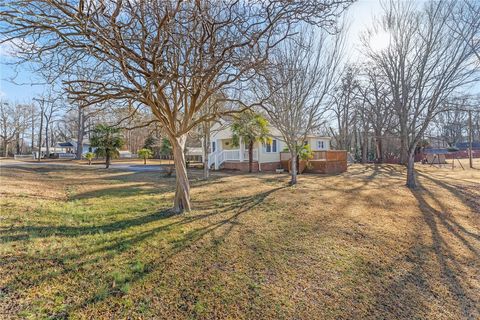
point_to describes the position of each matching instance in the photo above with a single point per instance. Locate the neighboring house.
(125, 154)
(194, 154)
(70, 147)
(265, 156)
(53, 150)
(466, 145)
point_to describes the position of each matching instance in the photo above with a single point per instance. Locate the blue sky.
(359, 16)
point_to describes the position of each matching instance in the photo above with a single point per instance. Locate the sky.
(359, 17)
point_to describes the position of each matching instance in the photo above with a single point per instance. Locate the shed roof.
(436, 151)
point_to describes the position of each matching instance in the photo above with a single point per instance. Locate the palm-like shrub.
(89, 156)
(145, 154)
(250, 127)
(107, 140)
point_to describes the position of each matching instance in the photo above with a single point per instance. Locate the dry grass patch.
(87, 243)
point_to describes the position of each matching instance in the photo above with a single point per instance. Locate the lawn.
(88, 243)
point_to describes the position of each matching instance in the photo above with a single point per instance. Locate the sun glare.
(380, 41)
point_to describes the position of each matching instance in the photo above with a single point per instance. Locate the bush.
(89, 156)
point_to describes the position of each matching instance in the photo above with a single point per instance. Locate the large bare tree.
(344, 99)
(376, 106)
(14, 119)
(425, 64)
(303, 71)
(169, 55)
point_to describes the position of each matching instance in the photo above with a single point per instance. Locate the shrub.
(89, 156)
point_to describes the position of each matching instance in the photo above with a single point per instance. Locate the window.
(213, 146)
(271, 147)
(321, 144)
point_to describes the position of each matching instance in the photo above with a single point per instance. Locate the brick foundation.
(243, 166)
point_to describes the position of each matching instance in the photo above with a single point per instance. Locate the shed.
(435, 156)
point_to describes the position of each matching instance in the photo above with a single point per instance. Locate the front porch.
(226, 155)
(219, 157)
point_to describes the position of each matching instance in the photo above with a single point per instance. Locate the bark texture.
(182, 192)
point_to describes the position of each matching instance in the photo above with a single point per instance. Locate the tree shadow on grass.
(212, 217)
(416, 288)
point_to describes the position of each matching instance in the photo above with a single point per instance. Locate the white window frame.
(271, 146)
(323, 146)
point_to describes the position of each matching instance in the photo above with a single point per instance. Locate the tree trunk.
(379, 150)
(107, 159)
(403, 147)
(80, 134)
(293, 169)
(411, 183)
(40, 135)
(364, 147)
(17, 143)
(47, 140)
(5, 148)
(182, 191)
(206, 150)
(250, 156)
(145, 161)
(33, 130)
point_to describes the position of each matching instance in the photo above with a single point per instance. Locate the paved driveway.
(6, 163)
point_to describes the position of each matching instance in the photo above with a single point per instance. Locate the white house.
(266, 156)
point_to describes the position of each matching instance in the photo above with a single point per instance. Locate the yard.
(83, 242)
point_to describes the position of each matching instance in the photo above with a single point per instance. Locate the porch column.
(259, 151)
(242, 149)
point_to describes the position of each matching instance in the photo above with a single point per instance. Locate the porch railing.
(218, 157)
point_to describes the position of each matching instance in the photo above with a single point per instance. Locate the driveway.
(7, 163)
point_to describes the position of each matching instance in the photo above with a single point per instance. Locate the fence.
(23, 156)
(331, 161)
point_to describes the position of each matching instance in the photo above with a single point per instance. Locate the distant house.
(194, 154)
(466, 146)
(266, 156)
(125, 154)
(69, 149)
(55, 151)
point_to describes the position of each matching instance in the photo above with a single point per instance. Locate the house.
(70, 148)
(266, 157)
(194, 154)
(52, 150)
(466, 145)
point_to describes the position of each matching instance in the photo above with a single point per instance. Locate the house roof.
(65, 144)
(435, 151)
(194, 151)
(466, 145)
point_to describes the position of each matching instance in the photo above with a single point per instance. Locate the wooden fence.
(330, 161)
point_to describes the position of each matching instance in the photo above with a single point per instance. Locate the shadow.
(209, 217)
(449, 267)
(28, 232)
(417, 286)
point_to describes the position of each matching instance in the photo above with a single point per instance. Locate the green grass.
(97, 244)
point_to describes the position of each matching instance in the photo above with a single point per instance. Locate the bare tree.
(376, 106)
(466, 23)
(303, 70)
(344, 98)
(171, 56)
(50, 112)
(425, 64)
(13, 122)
